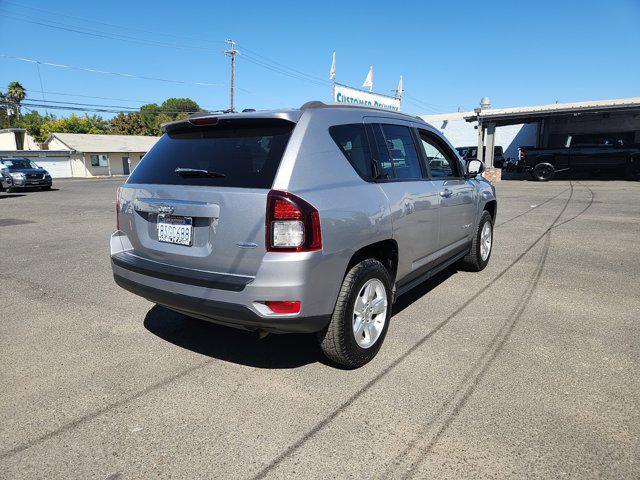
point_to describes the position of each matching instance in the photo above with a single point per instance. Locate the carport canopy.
(489, 119)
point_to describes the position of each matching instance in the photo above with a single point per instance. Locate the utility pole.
(232, 52)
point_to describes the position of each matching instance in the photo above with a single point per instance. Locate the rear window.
(242, 153)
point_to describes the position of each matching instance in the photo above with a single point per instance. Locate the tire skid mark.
(366, 387)
(455, 403)
(491, 353)
(532, 208)
(91, 415)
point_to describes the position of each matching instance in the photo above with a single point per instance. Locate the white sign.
(353, 96)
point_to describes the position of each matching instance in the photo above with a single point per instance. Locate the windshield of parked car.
(19, 164)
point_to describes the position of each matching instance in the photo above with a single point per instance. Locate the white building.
(17, 139)
(462, 133)
(91, 155)
(541, 125)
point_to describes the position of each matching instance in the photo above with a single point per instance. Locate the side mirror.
(474, 167)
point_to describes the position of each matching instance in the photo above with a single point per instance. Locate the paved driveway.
(527, 369)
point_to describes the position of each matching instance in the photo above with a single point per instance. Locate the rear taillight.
(118, 208)
(293, 225)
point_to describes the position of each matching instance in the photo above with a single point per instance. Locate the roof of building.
(438, 117)
(538, 111)
(11, 130)
(93, 143)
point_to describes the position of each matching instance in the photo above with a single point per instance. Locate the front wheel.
(481, 245)
(361, 316)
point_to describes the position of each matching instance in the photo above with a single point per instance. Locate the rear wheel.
(633, 169)
(361, 316)
(543, 172)
(481, 245)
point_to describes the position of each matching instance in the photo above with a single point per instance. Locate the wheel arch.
(492, 207)
(385, 251)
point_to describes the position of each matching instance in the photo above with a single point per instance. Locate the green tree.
(127, 124)
(15, 94)
(75, 124)
(4, 117)
(33, 123)
(149, 118)
(175, 106)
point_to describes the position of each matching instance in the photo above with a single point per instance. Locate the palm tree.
(15, 95)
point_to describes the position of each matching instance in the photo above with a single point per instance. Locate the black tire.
(46, 188)
(337, 340)
(473, 261)
(633, 169)
(543, 172)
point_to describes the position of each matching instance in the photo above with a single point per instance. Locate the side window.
(402, 151)
(440, 163)
(99, 161)
(353, 143)
(385, 167)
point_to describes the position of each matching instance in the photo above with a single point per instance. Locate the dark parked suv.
(24, 173)
(307, 220)
(471, 153)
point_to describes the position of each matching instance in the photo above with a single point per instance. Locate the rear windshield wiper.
(196, 172)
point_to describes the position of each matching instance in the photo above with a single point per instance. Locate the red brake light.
(118, 208)
(285, 210)
(202, 121)
(292, 224)
(283, 307)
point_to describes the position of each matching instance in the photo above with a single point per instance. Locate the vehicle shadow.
(276, 351)
(11, 195)
(230, 344)
(576, 175)
(416, 293)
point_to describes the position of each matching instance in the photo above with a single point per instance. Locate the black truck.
(580, 152)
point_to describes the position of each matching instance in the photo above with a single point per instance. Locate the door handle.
(445, 193)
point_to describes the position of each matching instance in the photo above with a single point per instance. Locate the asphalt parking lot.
(527, 369)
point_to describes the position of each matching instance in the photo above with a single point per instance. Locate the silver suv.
(306, 220)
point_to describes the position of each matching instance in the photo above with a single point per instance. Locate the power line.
(105, 72)
(77, 95)
(293, 70)
(101, 107)
(129, 27)
(102, 34)
(87, 96)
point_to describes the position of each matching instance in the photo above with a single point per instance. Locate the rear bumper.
(311, 278)
(230, 314)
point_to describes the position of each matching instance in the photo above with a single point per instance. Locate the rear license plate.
(176, 230)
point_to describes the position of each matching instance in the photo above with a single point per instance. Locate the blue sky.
(450, 53)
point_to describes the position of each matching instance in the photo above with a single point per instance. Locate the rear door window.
(402, 149)
(240, 153)
(354, 145)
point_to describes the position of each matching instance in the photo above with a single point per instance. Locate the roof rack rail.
(313, 104)
(318, 104)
